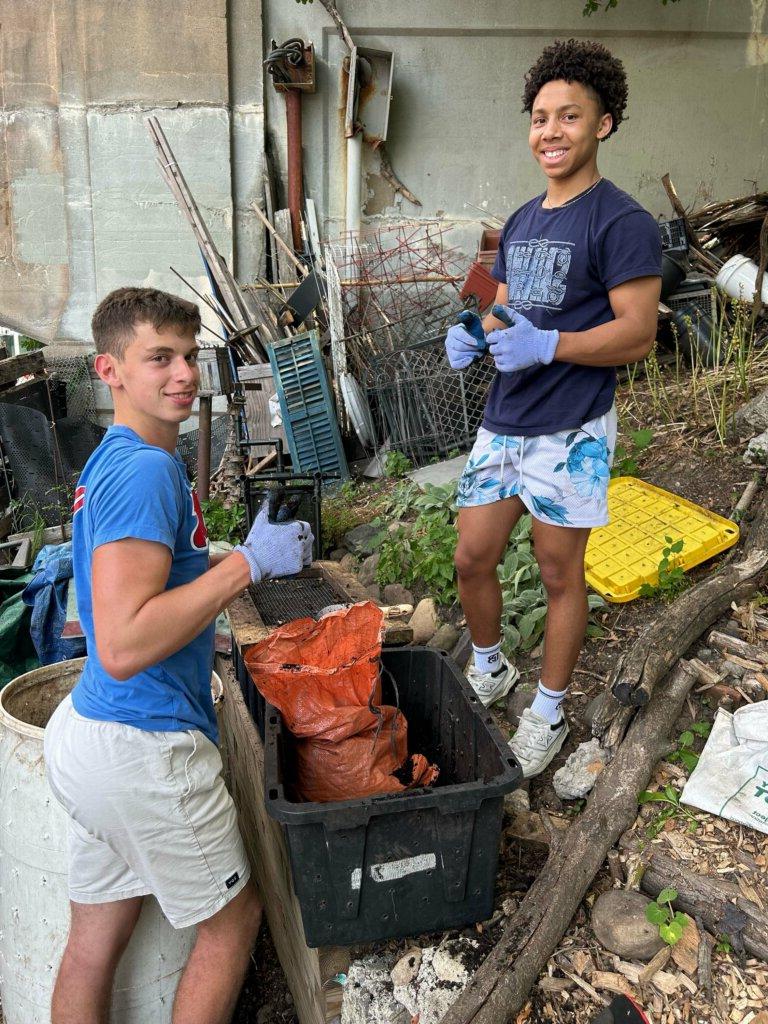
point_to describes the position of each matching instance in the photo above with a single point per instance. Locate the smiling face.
(567, 124)
(154, 384)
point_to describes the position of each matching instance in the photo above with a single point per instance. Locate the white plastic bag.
(731, 778)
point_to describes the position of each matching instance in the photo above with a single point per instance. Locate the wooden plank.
(19, 366)
(283, 231)
(267, 851)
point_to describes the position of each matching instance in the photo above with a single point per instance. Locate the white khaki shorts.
(561, 478)
(148, 814)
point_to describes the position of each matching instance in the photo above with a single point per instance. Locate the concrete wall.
(85, 207)
(697, 106)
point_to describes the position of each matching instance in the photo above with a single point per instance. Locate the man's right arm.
(137, 622)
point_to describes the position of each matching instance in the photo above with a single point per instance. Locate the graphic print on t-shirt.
(536, 273)
(199, 536)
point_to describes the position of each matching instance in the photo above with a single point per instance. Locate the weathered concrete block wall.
(85, 207)
(698, 75)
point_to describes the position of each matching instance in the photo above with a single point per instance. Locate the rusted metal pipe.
(295, 176)
(204, 446)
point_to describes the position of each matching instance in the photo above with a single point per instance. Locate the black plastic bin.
(410, 862)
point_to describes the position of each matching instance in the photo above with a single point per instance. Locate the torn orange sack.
(324, 679)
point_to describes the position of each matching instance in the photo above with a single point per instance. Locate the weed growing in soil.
(661, 913)
(625, 456)
(672, 808)
(672, 579)
(684, 754)
(396, 464)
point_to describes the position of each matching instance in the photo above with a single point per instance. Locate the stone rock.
(517, 702)
(368, 570)
(406, 968)
(362, 540)
(704, 653)
(424, 621)
(589, 711)
(374, 592)
(756, 452)
(369, 994)
(518, 801)
(349, 563)
(443, 974)
(462, 652)
(620, 925)
(731, 667)
(396, 593)
(337, 554)
(577, 776)
(445, 638)
(265, 1015)
(751, 418)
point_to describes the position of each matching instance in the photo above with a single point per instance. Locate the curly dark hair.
(586, 62)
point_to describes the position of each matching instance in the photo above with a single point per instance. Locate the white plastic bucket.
(34, 903)
(738, 278)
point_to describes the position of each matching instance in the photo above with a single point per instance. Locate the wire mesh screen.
(425, 408)
(74, 372)
(186, 446)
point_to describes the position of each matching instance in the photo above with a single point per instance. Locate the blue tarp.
(47, 595)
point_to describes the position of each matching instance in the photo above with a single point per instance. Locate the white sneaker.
(490, 688)
(536, 742)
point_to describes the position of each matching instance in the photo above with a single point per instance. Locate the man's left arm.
(626, 339)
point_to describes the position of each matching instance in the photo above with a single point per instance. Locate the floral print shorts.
(561, 478)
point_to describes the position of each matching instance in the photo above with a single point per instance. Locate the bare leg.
(214, 974)
(483, 535)
(560, 554)
(98, 935)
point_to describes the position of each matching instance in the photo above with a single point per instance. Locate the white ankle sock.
(488, 659)
(547, 703)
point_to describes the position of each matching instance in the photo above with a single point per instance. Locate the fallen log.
(500, 988)
(665, 639)
(703, 897)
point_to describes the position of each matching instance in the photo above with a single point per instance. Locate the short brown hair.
(122, 310)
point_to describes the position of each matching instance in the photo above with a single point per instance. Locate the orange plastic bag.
(324, 679)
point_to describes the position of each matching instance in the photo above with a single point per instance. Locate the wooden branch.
(663, 641)
(735, 645)
(342, 28)
(389, 175)
(757, 302)
(703, 897)
(500, 988)
(19, 366)
(693, 239)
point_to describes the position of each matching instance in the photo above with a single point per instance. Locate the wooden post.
(204, 447)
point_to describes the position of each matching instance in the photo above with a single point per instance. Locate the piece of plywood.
(243, 752)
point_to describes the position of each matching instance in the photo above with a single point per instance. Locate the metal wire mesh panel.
(282, 600)
(73, 370)
(425, 408)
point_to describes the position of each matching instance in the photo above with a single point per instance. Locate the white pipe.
(354, 184)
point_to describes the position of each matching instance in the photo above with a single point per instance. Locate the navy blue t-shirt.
(560, 265)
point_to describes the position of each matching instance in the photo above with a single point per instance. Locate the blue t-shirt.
(132, 489)
(560, 265)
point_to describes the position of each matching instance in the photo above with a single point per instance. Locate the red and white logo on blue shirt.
(79, 500)
(199, 536)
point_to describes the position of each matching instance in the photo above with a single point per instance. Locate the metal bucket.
(34, 903)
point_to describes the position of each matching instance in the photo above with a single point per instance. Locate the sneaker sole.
(549, 757)
(510, 683)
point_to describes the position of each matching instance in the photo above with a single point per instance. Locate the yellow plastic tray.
(625, 554)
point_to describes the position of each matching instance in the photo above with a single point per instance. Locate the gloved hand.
(276, 549)
(465, 340)
(521, 344)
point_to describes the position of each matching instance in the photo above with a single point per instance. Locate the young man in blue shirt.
(132, 753)
(579, 273)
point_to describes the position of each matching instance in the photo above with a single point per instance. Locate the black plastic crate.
(411, 862)
(673, 236)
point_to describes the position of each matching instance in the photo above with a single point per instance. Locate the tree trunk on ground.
(500, 988)
(704, 897)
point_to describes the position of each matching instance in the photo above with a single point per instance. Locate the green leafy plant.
(670, 923)
(224, 523)
(684, 754)
(396, 464)
(672, 808)
(625, 456)
(723, 944)
(672, 580)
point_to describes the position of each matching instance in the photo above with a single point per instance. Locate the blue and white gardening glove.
(520, 345)
(276, 549)
(465, 341)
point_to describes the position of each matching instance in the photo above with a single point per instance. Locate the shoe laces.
(532, 736)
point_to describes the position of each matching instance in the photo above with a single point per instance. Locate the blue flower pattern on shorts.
(588, 467)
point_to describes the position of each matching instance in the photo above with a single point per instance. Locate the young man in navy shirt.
(579, 273)
(132, 754)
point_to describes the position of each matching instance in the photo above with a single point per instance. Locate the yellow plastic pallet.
(624, 555)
